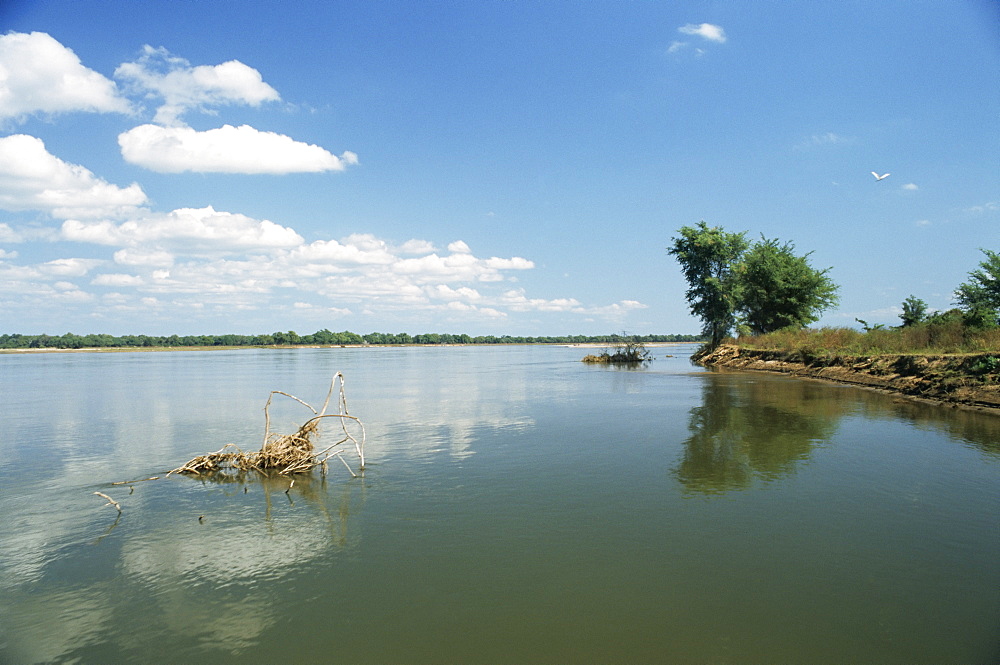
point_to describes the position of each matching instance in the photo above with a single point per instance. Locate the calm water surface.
(518, 507)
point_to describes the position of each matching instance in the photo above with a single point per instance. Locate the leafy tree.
(914, 311)
(777, 289)
(980, 296)
(707, 256)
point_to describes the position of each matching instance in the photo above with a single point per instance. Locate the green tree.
(914, 311)
(979, 298)
(777, 289)
(707, 256)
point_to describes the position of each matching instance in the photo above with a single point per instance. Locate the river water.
(518, 506)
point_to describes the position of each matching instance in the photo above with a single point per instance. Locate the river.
(518, 506)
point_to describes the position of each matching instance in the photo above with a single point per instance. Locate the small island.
(626, 351)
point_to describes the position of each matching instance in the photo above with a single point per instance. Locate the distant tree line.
(321, 337)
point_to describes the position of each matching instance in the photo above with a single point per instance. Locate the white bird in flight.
(880, 177)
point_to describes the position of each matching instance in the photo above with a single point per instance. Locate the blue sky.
(488, 167)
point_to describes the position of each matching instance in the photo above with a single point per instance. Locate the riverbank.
(971, 380)
(141, 349)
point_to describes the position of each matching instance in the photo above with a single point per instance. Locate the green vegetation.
(979, 298)
(627, 350)
(914, 311)
(755, 288)
(707, 256)
(322, 338)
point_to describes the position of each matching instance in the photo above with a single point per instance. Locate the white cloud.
(7, 234)
(516, 300)
(910, 187)
(515, 263)
(202, 262)
(117, 279)
(828, 138)
(69, 267)
(226, 149)
(38, 74)
(618, 309)
(31, 178)
(416, 247)
(458, 267)
(195, 230)
(333, 256)
(712, 33)
(183, 87)
(445, 292)
(144, 257)
(992, 206)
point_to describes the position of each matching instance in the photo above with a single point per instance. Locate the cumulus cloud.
(31, 178)
(416, 247)
(706, 31)
(227, 149)
(69, 267)
(712, 33)
(458, 267)
(195, 230)
(144, 257)
(117, 279)
(516, 300)
(910, 187)
(210, 253)
(183, 87)
(40, 75)
(203, 260)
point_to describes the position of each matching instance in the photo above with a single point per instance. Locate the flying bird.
(880, 177)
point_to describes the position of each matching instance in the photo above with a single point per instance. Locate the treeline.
(321, 337)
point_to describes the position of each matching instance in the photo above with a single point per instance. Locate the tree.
(914, 311)
(777, 289)
(980, 296)
(707, 256)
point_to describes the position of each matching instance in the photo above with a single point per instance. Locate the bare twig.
(111, 502)
(129, 482)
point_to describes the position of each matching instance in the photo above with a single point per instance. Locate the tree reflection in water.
(753, 429)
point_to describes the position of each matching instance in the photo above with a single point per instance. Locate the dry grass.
(927, 339)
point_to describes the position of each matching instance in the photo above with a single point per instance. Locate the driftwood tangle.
(287, 454)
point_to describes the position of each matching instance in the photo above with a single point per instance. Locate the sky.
(482, 167)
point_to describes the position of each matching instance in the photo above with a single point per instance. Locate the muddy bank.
(969, 380)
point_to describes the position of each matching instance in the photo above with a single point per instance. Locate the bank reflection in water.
(753, 430)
